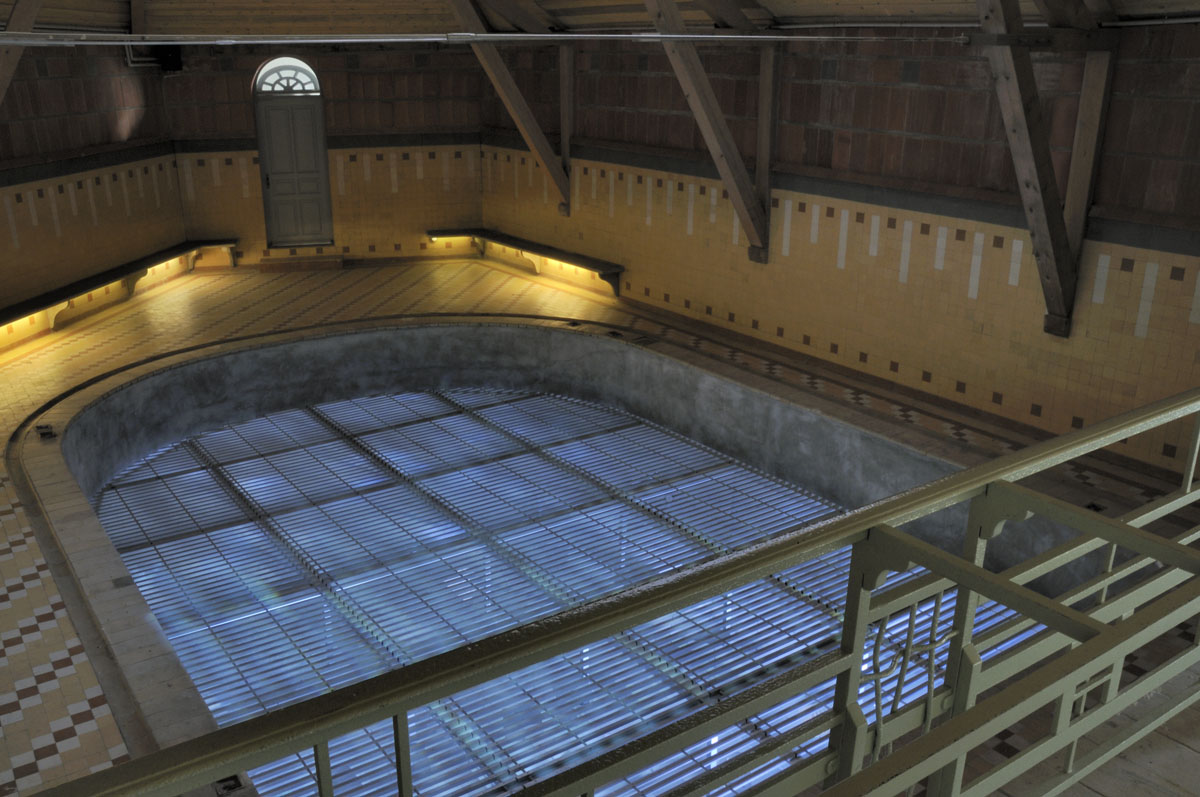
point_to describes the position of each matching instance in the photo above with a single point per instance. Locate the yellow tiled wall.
(59, 230)
(384, 199)
(965, 325)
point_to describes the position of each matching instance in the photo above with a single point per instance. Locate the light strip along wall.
(295, 553)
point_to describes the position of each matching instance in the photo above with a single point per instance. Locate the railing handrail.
(266, 738)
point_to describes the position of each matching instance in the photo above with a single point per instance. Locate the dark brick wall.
(1151, 155)
(366, 91)
(923, 112)
(66, 101)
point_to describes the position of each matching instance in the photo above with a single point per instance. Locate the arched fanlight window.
(286, 75)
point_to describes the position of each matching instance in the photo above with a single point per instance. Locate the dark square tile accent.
(253, 160)
(320, 250)
(1168, 450)
(891, 222)
(860, 217)
(806, 340)
(754, 323)
(41, 193)
(115, 177)
(423, 245)
(97, 183)
(379, 155)
(862, 356)
(1176, 271)
(960, 387)
(60, 188)
(354, 158)
(926, 376)
(894, 367)
(1127, 264)
(731, 317)
(960, 235)
(779, 332)
(639, 182)
(129, 172)
(1035, 410)
(997, 398)
(708, 309)
(371, 247)
(667, 298)
(1076, 422)
(523, 163)
(145, 170)
(291, 251)
(238, 253)
(801, 207)
(433, 156)
(829, 212)
(646, 291)
(395, 247)
(774, 201)
(345, 250)
(229, 161)
(724, 194)
(266, 253)
(404, 156)
(687, 304)
(495, 156)
(833, 348)
(679, 187)
(703, 190)
(998, 241)
(457, 155)
(658, 183)
(621, 177)
(604, 172)
(199, 161)
(627, 286)
(79, 183)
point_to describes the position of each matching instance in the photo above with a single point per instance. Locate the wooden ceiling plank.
(502, 80)
(1016, 90)
(20, 20)
(1085, 152)
(713, 127)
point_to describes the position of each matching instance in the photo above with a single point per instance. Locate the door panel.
(295, 171)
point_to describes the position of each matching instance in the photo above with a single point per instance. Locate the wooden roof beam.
(1085, 152)
(1066, 14)
(1016, 89)
(520, 14)
(713, 127)
(20, 20)
(727, 13)
(502, 80)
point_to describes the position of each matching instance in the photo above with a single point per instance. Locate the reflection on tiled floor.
(55, 723)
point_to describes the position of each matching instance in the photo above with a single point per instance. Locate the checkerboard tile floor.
(55, 723)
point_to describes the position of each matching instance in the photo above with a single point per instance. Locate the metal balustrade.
(774, 656)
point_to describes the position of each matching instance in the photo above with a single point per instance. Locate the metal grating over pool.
(306, 550)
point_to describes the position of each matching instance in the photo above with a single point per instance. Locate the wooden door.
(295, 171)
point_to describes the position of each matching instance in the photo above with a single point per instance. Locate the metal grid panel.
(358, 536)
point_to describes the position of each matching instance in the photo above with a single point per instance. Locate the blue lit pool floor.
(311, 549)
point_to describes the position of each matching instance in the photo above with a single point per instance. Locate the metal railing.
(1063, 656)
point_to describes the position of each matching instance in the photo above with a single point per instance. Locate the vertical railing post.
(1189, 462)
(404, 780)
(849, 740)
(324, 769)
(963, 664)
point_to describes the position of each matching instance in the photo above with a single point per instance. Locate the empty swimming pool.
(309, 549)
